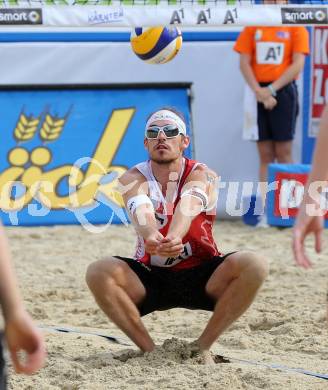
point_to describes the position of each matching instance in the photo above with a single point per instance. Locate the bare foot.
(201, 357)
(205, 356)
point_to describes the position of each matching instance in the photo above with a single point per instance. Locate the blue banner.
(62, 150)
(286, 184)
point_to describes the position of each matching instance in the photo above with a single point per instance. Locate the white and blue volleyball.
(156, 45)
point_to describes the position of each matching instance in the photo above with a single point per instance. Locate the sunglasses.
(170, 131)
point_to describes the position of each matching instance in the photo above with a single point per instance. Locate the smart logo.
(20, 16)
(304, 15)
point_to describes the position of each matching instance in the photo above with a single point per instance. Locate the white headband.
(166, 114)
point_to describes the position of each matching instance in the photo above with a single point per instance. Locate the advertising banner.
(62, 150)
(286, 184)
(150, 13)
(319, 79)
(185, 15)
(20, 16)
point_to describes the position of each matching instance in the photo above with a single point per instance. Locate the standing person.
(172, 202)
(20, 333)
(310, 216)
(271, 58)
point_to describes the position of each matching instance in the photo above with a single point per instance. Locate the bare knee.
(104, 272)
(284, 158)
(283, 151)
(246, 266)
(254, 265)
(267, 158)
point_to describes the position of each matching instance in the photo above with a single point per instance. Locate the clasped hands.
(169, 246)
(263, 95)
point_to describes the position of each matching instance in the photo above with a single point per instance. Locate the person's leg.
(283, 152)
(233, 286)
(266, 152)
(118, 290)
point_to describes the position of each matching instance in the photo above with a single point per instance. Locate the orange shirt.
(271, 49)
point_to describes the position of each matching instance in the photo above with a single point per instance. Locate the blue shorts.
(279, 124)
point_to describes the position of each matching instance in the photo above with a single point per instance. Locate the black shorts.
(279, 124)
(167, 289)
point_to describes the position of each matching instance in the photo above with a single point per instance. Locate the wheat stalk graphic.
(52, 127)
(26, 127)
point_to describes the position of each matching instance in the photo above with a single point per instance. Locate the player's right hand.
(152, 242)
(170, 246)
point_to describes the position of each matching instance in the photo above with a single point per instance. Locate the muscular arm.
(132, 184)
(190, 206)
(20, 331)
(320, 157)
(9, 294)
(319, 170)
(306, 221)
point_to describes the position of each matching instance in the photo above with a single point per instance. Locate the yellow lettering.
(103, 157)
(110, 189)
(50, 198)
(44, 185)
(7, 180)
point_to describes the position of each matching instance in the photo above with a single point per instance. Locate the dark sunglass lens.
(171, 132)
(152, 133)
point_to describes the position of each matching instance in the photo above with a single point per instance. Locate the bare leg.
(118, 290)
(267, 155)
(233, 285)
(283, 152)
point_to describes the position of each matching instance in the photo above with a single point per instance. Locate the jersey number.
(184, 254)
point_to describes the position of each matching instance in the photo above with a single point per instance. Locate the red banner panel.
(319, 78)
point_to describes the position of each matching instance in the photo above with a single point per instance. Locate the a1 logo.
(269, 53)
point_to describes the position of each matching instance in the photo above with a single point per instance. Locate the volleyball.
(156, 45)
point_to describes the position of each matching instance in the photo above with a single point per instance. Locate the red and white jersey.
(199, 244)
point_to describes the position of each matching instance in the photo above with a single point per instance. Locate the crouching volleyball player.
(172, 201)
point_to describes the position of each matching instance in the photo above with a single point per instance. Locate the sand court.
(286, 324)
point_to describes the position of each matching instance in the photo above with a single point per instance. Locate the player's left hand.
(170, 246)
(22, 335)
